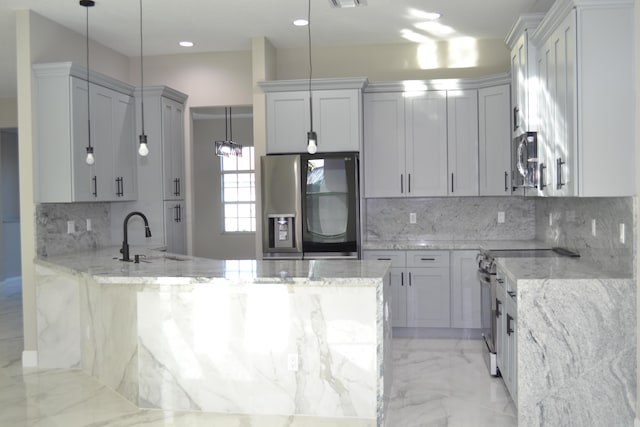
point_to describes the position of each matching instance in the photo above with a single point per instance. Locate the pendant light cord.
(141, 72)
(88, 87)
(310, 64)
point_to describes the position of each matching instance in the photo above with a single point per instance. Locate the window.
(239, 192)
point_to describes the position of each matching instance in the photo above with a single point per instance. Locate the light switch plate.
(622, 233)
(500, 217)
(71, 227)
(412, 218)
(89, 225)
(593, 227)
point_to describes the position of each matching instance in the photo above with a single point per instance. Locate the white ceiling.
(214, 25)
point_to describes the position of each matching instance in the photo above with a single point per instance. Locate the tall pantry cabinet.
(161, 186)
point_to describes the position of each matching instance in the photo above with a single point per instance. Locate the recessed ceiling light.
(301, 22)
(186, 44)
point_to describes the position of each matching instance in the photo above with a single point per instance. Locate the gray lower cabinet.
(506, 333)
(465, 290)
(421, 294)
(428, 298)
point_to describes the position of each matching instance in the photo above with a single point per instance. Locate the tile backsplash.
(568, 222)
(450, 218)
(52, 237)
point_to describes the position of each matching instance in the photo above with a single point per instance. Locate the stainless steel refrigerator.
(310, 206)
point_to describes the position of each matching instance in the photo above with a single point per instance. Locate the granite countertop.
(162, 268)
(451, 244)
(555, 268)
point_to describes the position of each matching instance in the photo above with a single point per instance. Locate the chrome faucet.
(125, 244)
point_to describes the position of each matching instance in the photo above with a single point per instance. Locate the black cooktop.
(532, 253)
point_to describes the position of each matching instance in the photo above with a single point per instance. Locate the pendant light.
(227, 147)
(312, 137)
(90, 158)
(143, 148)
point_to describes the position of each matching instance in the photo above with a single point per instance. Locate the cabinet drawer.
(397, 258)
(427, 258)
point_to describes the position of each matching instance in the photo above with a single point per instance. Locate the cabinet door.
(428, 298)
(103, 136)
(83, 174)
(125, 148)
(336, 119)
(546, 141)
(495, 142)
(173, 149)
(384, 151)
(398, 303)
(175, 228)
(426, 144)
(288, 122)
(500, 326)
(465, 290)
(462, 119)
(519, 87)
(564, 48)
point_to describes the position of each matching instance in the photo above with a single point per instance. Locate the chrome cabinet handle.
(452, 182)
(384, 259)
(509, 327)
(559, 164)
(402, 278)
(511, 294)
(516, 125)
(401, 184)
(506, 186)
(409, 278)
(95, 185)
(498, 312)
(427, 259)
(409, 184)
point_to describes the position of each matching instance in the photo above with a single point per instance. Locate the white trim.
(29, 359)
(636, 422)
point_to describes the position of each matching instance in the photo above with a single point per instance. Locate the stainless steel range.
(487, 278)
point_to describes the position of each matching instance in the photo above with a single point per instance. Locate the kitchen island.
(255, 337)
(575, 326)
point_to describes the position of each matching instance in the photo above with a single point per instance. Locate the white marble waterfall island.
(255, 337)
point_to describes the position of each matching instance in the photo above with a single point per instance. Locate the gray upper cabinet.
(494, 138)
(173, 148)
(405, 151)
(462, 145)
(337, 114)
(61, 136)
(586, 107)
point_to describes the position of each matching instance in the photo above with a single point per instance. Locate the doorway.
(10, 267)
(213, 237)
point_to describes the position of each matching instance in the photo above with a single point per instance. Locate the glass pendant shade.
(90, 158)
(312, 142)
(143, 148)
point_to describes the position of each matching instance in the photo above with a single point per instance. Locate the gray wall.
(209, 241)
(9, 178)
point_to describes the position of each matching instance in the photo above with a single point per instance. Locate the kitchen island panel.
(576, 351)
(227, 349)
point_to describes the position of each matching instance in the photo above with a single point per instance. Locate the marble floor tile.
(437, 382)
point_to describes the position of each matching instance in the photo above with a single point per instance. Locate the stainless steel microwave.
(524, 160)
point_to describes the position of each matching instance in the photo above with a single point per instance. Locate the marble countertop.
(452, 244)
(164, 268)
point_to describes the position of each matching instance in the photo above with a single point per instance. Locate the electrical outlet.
(292, 362)
(622, 233)
(71, 227)
(89, 226)
(412, 218)
(500, 217)
(593, 227)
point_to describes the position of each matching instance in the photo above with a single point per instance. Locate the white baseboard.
(636, 423)
(29, 359)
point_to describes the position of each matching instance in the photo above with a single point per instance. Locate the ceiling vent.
(347, 3)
